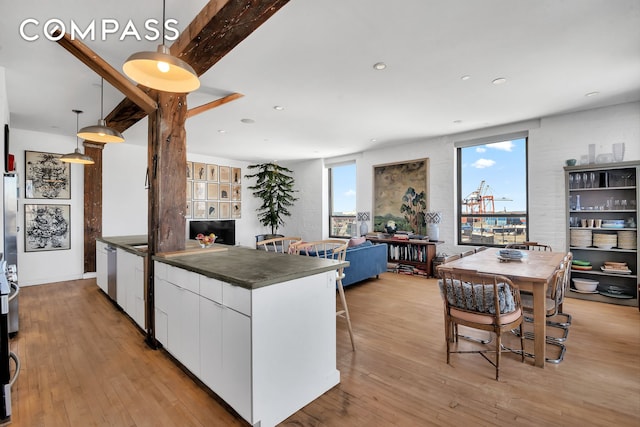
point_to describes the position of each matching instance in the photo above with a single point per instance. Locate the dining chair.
(481, 248)
(481, 301)
(553, 302)
(278, 244)
(337, 250)
(468, 253)
(529, 246)
(455, 326)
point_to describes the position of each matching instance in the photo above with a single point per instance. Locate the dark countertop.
(251, 268)
(127, 243)
(241, 266)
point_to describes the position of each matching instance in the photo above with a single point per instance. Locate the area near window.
(342, 200)
(492, 191)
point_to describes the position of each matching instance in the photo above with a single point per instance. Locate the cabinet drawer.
(236, 298)
(160, 270)
(183, 278)
(211, 289)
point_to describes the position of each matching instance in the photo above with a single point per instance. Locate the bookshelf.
(417, 253)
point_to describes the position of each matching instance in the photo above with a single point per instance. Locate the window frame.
(459, 146)
(330, 213)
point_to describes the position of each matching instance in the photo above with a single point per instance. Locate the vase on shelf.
(433, 220)
(364, 228)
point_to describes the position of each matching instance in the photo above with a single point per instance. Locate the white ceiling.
(315, 59)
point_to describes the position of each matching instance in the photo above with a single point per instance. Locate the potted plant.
(274, 186)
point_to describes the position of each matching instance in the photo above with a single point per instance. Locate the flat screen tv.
(225, 231)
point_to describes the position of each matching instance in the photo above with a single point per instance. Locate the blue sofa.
(366, 260)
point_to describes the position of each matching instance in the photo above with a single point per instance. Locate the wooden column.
(167, 158)
(92, 203)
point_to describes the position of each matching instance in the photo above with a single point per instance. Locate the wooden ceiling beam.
(218, 28)
(213, 104)
(91, 59)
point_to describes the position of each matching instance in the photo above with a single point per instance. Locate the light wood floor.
(85, 364)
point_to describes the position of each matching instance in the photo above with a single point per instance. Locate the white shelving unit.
(610, 193)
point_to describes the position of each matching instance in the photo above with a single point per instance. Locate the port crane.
(479, 201)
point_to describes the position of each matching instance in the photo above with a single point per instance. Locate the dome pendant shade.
(162, 71)
(77, 157)
(100, 133)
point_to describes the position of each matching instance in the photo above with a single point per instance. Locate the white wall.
(552, 140)
(50, 266)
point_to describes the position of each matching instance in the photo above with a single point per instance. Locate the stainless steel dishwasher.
(111, 272)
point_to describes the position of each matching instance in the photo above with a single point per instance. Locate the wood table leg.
(539, 324)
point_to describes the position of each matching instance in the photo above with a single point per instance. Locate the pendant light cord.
(77, 127)
(164, 7)
(102, 98)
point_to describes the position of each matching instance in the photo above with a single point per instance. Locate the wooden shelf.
(417, 253)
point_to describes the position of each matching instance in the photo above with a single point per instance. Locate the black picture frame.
(47, 227)
(6, 148)
(45, 176)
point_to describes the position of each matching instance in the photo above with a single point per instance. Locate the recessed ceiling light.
(457, 121)
(590, 94)
(222, 131)
(465, 77)
(373, 140)
(379, 66)
(499, 81)
(278, 107)
(247, 121)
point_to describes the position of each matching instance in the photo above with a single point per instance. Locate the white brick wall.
(552, 140)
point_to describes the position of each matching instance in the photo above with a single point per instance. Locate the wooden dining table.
(532, 273)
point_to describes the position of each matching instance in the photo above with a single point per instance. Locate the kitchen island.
(258, 328)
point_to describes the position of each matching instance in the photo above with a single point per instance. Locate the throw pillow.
(355, 241)
(505, 297)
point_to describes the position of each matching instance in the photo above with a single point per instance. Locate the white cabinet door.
(164, 292)
(211, 343)
(236, 361)
(101, 266)
(188, 320)
(124, 276)
(138, 292)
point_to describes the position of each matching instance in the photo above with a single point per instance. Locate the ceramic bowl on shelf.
(586, 285)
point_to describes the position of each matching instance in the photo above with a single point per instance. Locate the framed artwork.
(188, 210)
(400, 190)
(200, 171)
(212, 173)
(189, 190)
(199, 210)
(212, 191)
(225, 174)
(236, 192)
(225, 192)
(236, 210)
(189, 170)
(47, 227)
(199, 190)
(225, 210)
(46, 177)
(236, 175)
(212, 210)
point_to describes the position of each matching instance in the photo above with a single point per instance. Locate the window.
(342, 200)
(492, 191)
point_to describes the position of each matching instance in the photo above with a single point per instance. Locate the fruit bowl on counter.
(206, 240)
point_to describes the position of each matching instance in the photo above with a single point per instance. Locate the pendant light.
(100, 132)
(77, 156)
(160, 70)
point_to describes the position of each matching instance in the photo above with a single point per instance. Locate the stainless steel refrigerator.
(11, 245)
